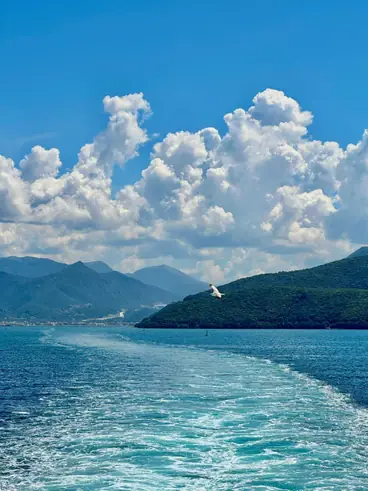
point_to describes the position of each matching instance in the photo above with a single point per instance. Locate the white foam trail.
(151, 417)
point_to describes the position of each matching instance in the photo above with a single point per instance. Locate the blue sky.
(194, 61)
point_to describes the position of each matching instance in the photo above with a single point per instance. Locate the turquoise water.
(125, 409)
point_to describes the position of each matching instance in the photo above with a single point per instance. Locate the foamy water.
(138, 416)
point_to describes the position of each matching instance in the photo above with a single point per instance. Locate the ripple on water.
(141, 417)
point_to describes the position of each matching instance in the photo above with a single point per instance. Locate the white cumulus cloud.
(204, 199)
(40, 163)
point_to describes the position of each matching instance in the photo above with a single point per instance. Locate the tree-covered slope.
(31, 267)
(268, 307)
(363, 251)
(76, 292)
(334, 294)
(347, 273)
(35, 267)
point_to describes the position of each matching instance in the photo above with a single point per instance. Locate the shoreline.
(199, 328)
(314, 328)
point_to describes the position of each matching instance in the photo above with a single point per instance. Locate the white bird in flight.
(215, 292)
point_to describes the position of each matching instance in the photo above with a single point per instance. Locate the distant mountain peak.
(28, 258)
(29, 266)
(166, 268)
(74, 293)
(79, 268)
(99, 266)
(170, 279)
(78, 265)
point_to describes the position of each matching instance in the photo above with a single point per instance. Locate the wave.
(148, 417)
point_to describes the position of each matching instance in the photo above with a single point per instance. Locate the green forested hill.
(363, 251)
(351, 272)
(35, 267)
(331, 295)
(75, 293)
(31, 267)
(268, 307)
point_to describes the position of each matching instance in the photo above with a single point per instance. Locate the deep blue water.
(127, 409)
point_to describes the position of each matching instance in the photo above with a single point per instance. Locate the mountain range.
(331, 295)
(74, 293)
(39, 289)
(35, 267)
(32, 267)
(170, 279)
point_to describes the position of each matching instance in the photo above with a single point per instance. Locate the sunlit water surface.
(127, 409)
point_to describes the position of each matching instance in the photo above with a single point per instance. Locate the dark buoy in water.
(206, 332)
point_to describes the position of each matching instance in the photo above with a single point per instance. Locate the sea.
(148, 410)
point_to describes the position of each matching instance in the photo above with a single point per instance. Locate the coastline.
(350, 327)
(289, 328)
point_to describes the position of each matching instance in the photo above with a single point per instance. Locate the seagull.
(215, 292)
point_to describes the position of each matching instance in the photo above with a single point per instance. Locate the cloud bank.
(261, 197)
